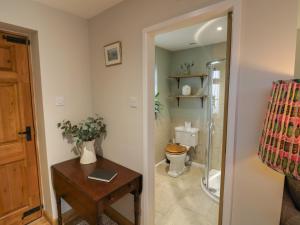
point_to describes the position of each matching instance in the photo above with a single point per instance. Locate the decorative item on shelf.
(83, 136)
(113, 54)
(201, 92)
(186, 68)
(279, 146)
(186, 90)
(157, 105)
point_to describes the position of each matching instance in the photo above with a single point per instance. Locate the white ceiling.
(83, 8)
(202, 34)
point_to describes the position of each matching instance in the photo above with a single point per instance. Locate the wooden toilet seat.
(175, 149)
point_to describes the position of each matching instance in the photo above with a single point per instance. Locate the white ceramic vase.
(88, 154)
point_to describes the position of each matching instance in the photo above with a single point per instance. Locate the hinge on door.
(31, 211)
(14, 39)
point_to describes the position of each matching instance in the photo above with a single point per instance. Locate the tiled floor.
(181, 201)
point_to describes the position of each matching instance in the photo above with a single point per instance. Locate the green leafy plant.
(157, 105)
(86, 130)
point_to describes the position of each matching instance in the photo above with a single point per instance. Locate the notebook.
(103, 175)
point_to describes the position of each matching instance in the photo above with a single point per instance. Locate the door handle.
(27, 133)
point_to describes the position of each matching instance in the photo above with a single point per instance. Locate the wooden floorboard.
(41, 221)
(70, 217)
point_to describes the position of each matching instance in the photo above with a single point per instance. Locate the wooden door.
(19, 181)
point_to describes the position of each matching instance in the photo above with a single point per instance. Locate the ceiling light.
(219, 28)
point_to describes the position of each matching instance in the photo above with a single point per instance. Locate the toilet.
(185, 138)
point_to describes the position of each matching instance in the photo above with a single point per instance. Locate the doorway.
(20, 201)
(190, 88)
(189, 19)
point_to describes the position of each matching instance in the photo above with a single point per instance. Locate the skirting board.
(194, 164)
(161, 162)
(68, 217)
(199, 165)
(71, 215)
(48, 218)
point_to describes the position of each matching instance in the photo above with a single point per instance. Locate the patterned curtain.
(279, 146)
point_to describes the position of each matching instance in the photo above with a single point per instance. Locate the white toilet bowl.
(177, 153)
(177, 164)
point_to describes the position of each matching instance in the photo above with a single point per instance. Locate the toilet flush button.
(133, 102)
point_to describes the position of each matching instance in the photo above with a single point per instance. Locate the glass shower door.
(216, 88)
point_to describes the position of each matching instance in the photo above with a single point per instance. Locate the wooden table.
(89, 197)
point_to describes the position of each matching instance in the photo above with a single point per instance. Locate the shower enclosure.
(211, 181)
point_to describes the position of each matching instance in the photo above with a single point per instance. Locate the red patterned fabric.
(279, 146)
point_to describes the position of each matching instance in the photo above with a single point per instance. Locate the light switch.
(133, 102)
(59, 101)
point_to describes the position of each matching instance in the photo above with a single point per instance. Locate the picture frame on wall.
(113, 54)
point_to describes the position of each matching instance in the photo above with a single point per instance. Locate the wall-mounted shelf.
(178, 97)
(179, 77)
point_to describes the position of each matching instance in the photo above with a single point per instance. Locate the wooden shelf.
(189, 76)
(178, 77)
(178, 97)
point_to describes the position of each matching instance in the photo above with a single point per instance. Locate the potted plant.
(83, 136)
(157, 105)
(186, 68)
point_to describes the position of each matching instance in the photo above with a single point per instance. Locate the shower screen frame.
(210, 127)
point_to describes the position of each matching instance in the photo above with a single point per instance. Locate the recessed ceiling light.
(219, 28)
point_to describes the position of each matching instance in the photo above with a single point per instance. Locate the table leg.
(100, 214)
(137, 208)
(58, 205)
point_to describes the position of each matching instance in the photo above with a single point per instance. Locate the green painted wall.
(168, 63)
(163, 121)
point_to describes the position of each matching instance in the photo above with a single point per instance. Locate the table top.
(77, 175)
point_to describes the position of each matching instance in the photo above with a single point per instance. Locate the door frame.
(36, 101)
(203, 14)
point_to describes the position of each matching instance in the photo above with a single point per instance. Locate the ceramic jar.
(186, 90)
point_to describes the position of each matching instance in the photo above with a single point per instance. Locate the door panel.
(11, 152)
(6, 56)
(9, 112)
(13, 192)
(19, 186)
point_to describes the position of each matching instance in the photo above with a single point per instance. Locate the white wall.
(297, 60)
(298, 16)
(267, 53)
(268, 42)
(113, 86)
(65, 71)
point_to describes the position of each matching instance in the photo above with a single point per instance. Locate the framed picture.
(113, 54)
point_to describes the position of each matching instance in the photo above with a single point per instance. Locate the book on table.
(103, 175)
